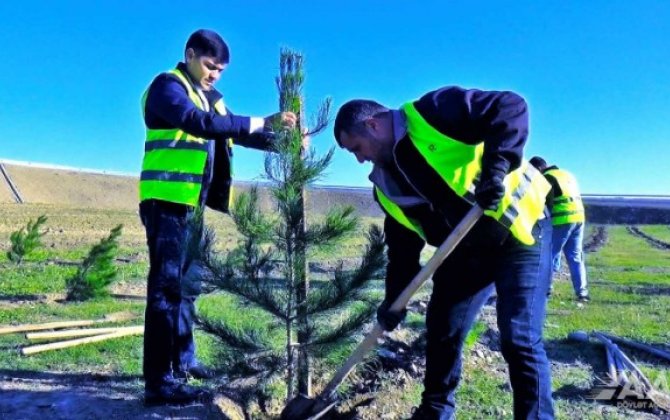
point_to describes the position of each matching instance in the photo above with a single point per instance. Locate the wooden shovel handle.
(399, 304)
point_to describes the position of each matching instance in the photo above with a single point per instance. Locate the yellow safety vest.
(568, 207)
(174, 161)
(459, 166)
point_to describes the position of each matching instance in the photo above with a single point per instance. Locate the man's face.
(369, 143)
(204, 70)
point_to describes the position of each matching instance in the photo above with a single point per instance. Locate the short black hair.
(209, 43)
(539, 163)
(355, 112)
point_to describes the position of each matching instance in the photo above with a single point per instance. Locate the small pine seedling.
(26, 240)
(97, 271)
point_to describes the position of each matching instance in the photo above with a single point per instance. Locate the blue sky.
(596, 74)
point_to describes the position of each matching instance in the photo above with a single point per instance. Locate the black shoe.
(423, 413)
(419, 413)
(173, 393)
(583, 299)
(197, 371)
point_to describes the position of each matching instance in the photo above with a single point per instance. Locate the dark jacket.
(556, 190)
(500, 120)
(168, 106)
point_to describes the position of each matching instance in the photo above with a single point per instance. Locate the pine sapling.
(26, 240)
(97, 270)
(268, 272)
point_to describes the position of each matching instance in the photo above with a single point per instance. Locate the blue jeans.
(569, 238)
(521, 275)
(168, 321)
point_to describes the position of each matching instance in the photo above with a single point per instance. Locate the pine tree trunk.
(290, 100)
(290, 363)
(304, 365)
(290, 352)
(304, 371)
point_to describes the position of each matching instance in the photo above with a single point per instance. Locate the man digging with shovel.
(433, 160)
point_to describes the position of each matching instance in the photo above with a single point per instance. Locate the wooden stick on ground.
(639, 346)
(614, 352)
(622, 362)
(625, 360)
(115, 317)
(76, 342)
(611, 366)
(80, 332)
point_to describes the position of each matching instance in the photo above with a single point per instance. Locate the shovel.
(304, 408)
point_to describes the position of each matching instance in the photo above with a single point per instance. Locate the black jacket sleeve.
(168, 100)
(556, 190)
(499, 119)
(404, 252)
(260, 141)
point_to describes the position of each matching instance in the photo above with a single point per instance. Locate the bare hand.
(306, 139)
(287, 120)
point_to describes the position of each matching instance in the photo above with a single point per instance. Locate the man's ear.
(371, 124)
(189, 54)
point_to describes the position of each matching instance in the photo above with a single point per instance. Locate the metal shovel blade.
(305, 408)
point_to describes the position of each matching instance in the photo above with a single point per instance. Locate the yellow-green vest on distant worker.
(459, 166)
(174, 161)
(568, 207)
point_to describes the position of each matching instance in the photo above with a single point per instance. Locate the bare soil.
(596, 240)
(58, 186)
(657, 243)
(5, 193)
(28, 395)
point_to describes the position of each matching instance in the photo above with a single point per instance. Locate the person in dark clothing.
(433, 159)
(186, 166)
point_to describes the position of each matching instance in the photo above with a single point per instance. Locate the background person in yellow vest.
(433, 159)
(186, 165)
(567, 215)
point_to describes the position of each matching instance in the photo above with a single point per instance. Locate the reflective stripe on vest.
(396, 212)
(174, 161)
(459, 166)
(568, 207)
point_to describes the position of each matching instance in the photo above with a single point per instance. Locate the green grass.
(40, 278)
(121, 356)
(477, 330)
(483, 396)
(630, 291)
(629, 282)
(662, 233)
(627, 251)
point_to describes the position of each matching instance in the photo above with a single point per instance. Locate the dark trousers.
(521, 275)
(168, 321)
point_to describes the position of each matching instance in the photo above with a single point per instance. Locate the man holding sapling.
(433, 159)
(186, 166)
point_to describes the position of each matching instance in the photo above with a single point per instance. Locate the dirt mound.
(82, 189)
(597, 239)
(657, 243)
(5, 194)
